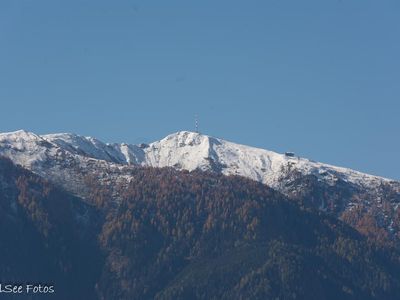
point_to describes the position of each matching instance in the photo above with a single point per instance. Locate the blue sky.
(320, 78)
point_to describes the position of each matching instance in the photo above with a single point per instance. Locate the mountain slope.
(368, 203)
(182, 150)
(48, 236)
(189, 151)
(183, 235)
(197, 235)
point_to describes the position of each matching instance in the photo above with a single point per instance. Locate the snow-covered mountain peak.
(181, 150)
(24, 147)
(74, 161)
(76, 143)
(19, 135)
(23, 141)
(186, 138)
(190, 139)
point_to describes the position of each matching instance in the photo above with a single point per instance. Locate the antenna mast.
(196, 123)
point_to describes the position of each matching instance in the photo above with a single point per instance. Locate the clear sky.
(320, 78)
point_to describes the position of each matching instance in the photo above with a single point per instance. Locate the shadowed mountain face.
(368, 203)
(47, 235)
(183, 235)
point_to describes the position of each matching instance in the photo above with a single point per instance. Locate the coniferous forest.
(184, 235)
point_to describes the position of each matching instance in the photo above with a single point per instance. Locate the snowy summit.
(182, 150)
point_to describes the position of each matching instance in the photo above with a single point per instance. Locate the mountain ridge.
(262, 165)
(368, 203)
(183, 235)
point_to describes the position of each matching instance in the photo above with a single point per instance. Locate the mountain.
(368, 203)
(190, 151)
(183, 150)
(48, 236)
(183, 235)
